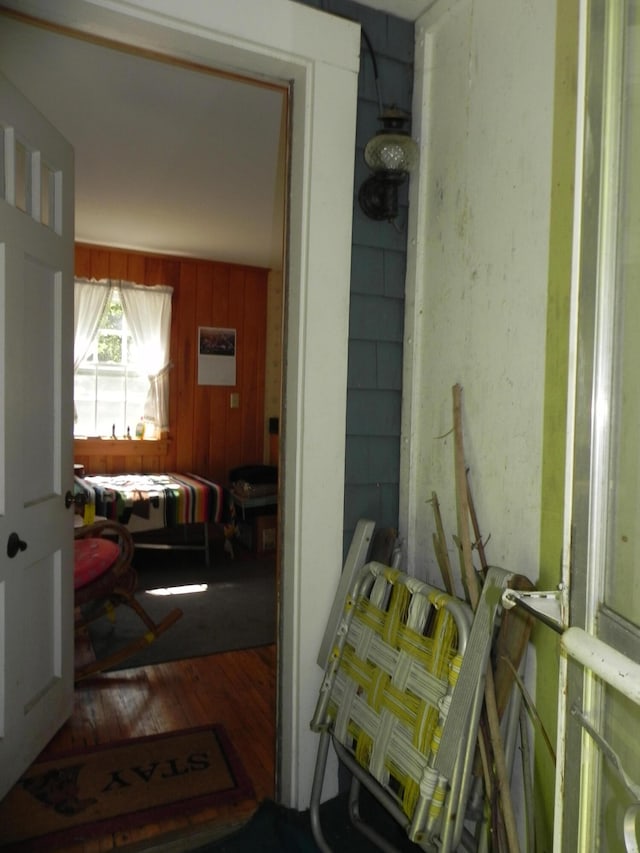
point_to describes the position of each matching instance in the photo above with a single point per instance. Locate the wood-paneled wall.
(206, 435)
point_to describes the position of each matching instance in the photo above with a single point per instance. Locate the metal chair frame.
(409, 640)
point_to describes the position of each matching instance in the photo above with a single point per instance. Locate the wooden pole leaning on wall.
(473, 591)
(440, 547)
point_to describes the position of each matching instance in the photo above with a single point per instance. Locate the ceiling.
(169, 159)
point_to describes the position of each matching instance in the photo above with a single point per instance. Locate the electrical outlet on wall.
(234, 400)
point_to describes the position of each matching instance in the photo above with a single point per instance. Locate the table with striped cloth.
(154, 501)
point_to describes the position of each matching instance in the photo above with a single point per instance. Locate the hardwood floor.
(236, 689)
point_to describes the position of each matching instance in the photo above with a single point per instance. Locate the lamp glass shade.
(391, 152)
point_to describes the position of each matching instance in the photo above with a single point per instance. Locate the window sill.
(120, 446)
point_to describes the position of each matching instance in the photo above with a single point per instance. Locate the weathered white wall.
(477, 315)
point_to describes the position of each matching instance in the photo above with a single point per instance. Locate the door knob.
(14, 545)
(70, 499)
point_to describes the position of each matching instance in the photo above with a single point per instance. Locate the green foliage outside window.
(112, 316)
(110, 348)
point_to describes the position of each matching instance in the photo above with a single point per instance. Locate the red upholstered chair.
(104, 578)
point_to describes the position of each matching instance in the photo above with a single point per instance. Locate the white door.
(36, 428)
(599, 804)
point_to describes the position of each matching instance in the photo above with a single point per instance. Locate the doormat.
(118, 786)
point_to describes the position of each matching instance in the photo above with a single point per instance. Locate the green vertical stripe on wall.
(555, 399)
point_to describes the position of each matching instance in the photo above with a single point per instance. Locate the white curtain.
(90, 300)
(148, 313)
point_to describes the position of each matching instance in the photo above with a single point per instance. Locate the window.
(121, 358)
(110, 389)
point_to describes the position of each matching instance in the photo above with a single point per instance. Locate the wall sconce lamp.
(391, 154)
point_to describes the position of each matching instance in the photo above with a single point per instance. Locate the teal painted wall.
(376, 318)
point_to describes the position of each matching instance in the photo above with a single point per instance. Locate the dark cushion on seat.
(255, 474)
(93, 557)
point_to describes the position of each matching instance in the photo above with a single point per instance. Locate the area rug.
(97, 790)
(237, 610)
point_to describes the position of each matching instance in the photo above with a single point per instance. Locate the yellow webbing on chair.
(389, 679)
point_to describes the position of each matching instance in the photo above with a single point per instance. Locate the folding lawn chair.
(104, 578)
(401, 700)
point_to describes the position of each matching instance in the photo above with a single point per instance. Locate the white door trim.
(411, 519)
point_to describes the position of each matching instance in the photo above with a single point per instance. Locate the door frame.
(590, 390)
(318, 55)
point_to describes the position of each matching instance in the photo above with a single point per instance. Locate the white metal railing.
(601, 660)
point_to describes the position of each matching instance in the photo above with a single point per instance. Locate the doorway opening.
(110, 261)
(318, 55)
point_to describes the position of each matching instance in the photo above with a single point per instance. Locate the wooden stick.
(462, 503)
(440, 547)
(476, 527)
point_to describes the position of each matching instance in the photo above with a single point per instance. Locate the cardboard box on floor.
(259, 533)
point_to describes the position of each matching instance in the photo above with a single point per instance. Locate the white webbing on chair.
(384, 696)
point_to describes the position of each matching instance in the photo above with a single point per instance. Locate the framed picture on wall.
(216, 356)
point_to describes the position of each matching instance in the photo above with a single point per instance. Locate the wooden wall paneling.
(201, 414)
(183, 375)
(136, 267)
(216, 419)
(107, 456)
(95, 464)
(260, 351)
(123, 463)
(254, 353)
(99, 263)
(239, 453)
(172, 275)
(118, 268)
(154, 270)
(172, 271)
(177, 359)
(82, 264)
(158, 463)
(229, 450)
(221, 296)
(86, 461)
(230, 300)
(207, 435)
(225, 301)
